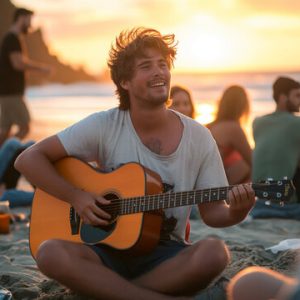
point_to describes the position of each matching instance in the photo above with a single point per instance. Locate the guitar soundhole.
(113, 208)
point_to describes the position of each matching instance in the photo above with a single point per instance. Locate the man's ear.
(124, 84)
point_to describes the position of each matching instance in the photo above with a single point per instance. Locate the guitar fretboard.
(277, 191)
(167, 200)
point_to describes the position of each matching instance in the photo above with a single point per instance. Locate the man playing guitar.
(140, 130)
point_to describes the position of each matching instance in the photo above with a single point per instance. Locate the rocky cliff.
(38, 50)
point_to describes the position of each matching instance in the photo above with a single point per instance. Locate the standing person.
(182, 101)
(233, 145)
(13, 64)
(277, 135)
(141, 130)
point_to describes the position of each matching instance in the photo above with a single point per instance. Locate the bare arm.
(36, 163)
(241, 199)
(22, 63)
(240, 143)
(230, 134)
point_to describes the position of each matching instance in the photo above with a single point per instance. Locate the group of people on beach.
(150, 129)
(276, 135)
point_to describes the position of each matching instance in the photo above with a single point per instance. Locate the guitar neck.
(170, 200)
(278, 191)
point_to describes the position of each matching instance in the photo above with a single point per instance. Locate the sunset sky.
(214, 35)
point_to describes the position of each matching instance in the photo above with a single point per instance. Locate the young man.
(13, 64)
(277, 135)
(141, 130)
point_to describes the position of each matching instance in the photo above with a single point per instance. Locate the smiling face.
(150, 83)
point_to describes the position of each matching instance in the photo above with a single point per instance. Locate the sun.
(205, 113)
(205, 52)
(208, 47)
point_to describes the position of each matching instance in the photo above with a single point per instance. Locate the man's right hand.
(87, 205)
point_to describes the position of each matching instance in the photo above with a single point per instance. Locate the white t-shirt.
(109, 138)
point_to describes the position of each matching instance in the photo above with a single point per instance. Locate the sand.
(246, 241)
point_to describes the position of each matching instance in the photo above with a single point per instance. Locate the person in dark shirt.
(13, 64)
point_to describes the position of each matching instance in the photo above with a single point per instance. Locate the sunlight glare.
(205, 113)
(204, 44)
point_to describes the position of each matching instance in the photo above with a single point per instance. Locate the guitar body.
(136, 220)
(138, 232)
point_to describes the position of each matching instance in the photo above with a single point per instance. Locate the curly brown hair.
(131, 44)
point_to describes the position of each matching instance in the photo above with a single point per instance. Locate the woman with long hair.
(236, 153)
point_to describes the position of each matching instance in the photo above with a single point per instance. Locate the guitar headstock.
(274, 190)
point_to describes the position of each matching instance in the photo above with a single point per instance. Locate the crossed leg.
(79, 268)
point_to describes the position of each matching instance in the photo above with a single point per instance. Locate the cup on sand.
(4, 217)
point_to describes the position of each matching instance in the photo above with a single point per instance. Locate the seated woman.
(233, 145)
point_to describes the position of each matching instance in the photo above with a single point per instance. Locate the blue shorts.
(134, 266)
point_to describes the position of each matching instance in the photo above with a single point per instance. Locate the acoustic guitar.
(136, 202)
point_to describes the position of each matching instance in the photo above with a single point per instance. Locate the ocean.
(61, 105)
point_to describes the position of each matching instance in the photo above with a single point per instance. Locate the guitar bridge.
(74, 221)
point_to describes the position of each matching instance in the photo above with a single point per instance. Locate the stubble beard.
(154, 101)
(291, 107)
(158, 101)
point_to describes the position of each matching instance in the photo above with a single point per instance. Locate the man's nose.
(158, 69)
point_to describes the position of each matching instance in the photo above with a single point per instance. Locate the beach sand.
(247, 243)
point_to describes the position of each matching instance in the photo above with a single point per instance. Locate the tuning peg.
(268, 202)
(285, 177)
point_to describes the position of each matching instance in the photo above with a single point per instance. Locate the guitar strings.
(151, 200)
